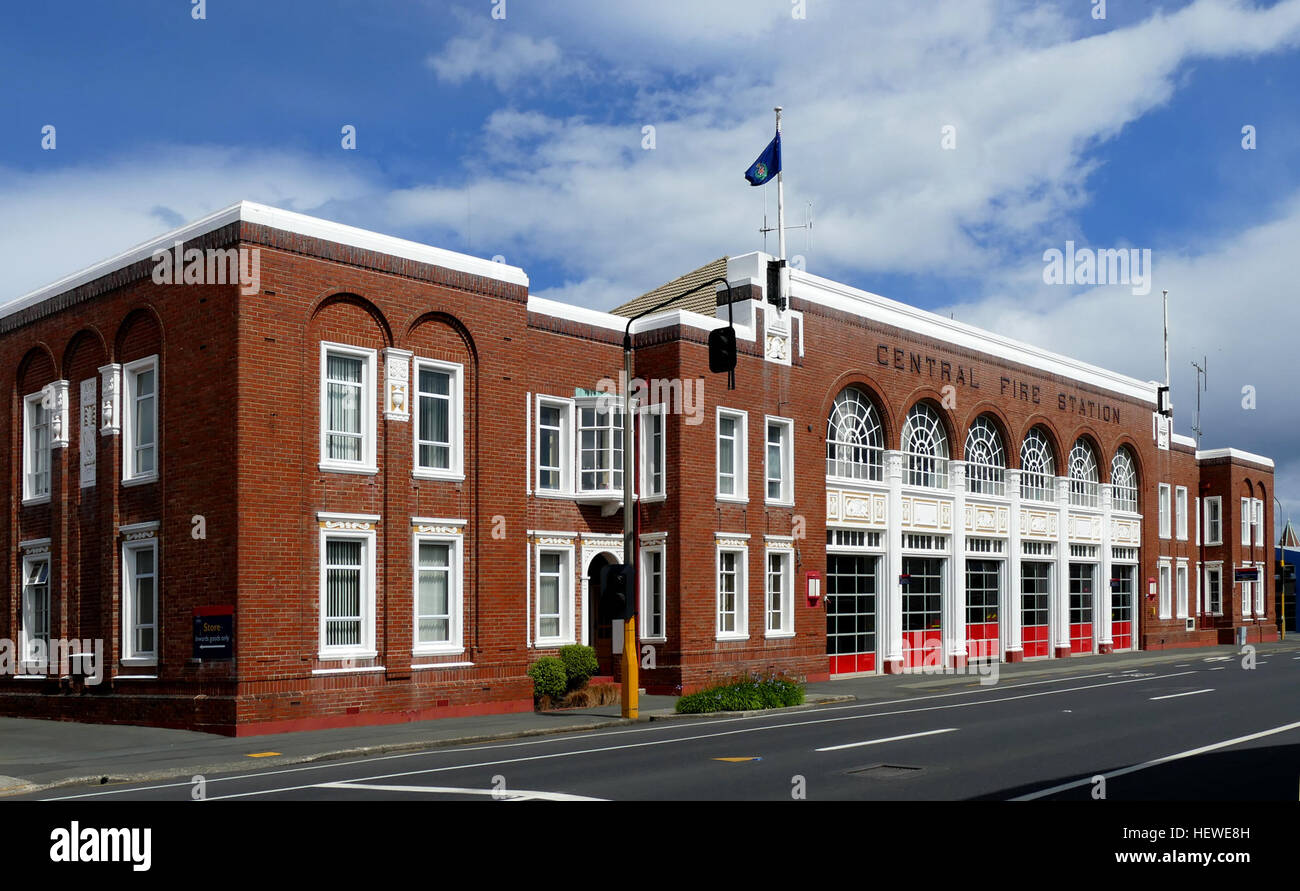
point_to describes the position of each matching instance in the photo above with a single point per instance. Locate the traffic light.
(774, 292)
(616, 591)
(722, 350)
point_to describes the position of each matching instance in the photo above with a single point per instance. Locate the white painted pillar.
(1011, 598)
(954, 620)
(891, 603)
(1102, 601)
(1061, 619)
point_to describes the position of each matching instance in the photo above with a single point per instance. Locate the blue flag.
(768, 164)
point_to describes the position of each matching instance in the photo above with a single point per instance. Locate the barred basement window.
(986, 460)
(1037, 548)
(854, 441)
(926, 445)
(1037, 467)
(1083, 475)
(1123, 481)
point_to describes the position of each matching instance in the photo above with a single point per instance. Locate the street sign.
(214, 632)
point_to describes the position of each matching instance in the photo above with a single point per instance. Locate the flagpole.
(784, 296)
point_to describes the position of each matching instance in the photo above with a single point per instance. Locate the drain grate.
(886, 771)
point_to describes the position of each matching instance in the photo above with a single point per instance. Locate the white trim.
(34, 543)
(648, 493)
(130, 375)
(1182, 590)
(455, 643)
(566, 447)
(1180, 513)
(1235, 454)
(426, 666)
(365, 649)
(1165, 593)
(35, 402)
(455, 418)
(1165, 510)
(787, 461)
(741, 631)
(326, 516)
(368, 669)
(657, 546)
(740, 453)
(787, 593)
(130, 656)
(24, 641)
(275, 218)
(1217, 501)
(369, 426)
(567, 580)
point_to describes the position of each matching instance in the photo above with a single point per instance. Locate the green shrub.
(743, 695)
(548, 677)
(579, 664)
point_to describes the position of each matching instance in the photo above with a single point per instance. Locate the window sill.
(138, 662)
(140, 480)
(39, 499)
(358, 469)
(439, 475)
(31, 677)
(368, 669)
(732, 499)
(432, 665)
(654, 640)
(135, 677)
(453, 650)
(731, 637)
(779, 503)
(346, 655)
(779, 635)
(551, 644)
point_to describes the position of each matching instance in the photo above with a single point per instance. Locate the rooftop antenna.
(807, 226)
(1202, 383)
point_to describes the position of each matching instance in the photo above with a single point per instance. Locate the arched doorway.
(600, 630)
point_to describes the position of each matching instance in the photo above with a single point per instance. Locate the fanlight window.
(986, 461)
(1123, 479)
(1037, 467)
(926, 445)
(854, 442)
(1083, 475)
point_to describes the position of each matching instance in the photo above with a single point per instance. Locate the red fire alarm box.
(1151, 589)
(813, 581)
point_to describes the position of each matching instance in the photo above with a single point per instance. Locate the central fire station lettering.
(1024, 391)
(919, 363)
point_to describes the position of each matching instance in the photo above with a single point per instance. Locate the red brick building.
(372, 480)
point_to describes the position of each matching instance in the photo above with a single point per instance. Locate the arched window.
(1083, 474)
(854, 441)
(926, 445)
(986, 460)
(1123, 481)
(1037, 467)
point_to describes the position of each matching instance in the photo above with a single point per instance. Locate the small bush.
(579, 664)
(548, 676)
(743, 695)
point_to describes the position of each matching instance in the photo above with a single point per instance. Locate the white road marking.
(1220, 668)
(876, 742)
(500, 794)
(1190, 753)
(680, 739)
(1217, 658)
(554, 738)
(1176, 695)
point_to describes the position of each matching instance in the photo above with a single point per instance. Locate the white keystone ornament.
(110, 400)
(397, 384)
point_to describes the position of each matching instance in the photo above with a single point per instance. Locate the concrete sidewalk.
(39, 754)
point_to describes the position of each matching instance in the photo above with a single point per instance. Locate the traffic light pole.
(631, 661)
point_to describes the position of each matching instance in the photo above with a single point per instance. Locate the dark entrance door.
(601, 632)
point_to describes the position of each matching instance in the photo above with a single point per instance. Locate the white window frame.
(650, 491)
(741, 631)
(1198, 521)
(786, 468)
(566, 456)
(1258, 522)
(566, 597)
(612, 407)
(368, 538)
(1247, 511)
(455, 469)
(1181, 591)
(25, 661)
(130, 654)
(646, 609)
(1180, 513)
(131, 476)
(786, 627)
(740, 470)
(1165, 574)
(455, 643)
(1247, 598)
(1259, 591)
(1217, 570)
(1163, 494)
(369, 363)
(33, 405)
(1214, 512)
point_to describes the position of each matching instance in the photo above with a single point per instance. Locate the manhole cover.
(886, 771)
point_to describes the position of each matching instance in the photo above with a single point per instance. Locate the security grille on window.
(36, 454)
(1083, 475)
(986, 460)
(926, 445)
(1037, 467)
(1123, 481)
(854, 441)
(344, 577)
(36, 612)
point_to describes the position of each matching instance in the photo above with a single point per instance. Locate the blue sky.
(522, 136)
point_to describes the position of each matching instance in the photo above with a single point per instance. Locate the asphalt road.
(1203, 729)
